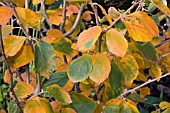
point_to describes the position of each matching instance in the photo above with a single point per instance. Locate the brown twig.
(76, 21)
(45, 14)
(64, 16)
(144, 84)
(10, 72)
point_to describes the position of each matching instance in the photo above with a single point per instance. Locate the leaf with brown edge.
(23, 89)
(23, 57)
(59, 94)
(38, 105)
(12, 44)
(5, 14)
(160, 5)
(88, 37)
(116, 42)
(29, 18)
(129, 69)
(141, 27)
(101, 68)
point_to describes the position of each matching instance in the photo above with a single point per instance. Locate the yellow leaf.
(101, 68)
(130, 69)
(142, 77)
(116, 42)
(88, 37)
(113, 12)
(48, 2)
(141, 27)
(132, 107)
(161, 6)
(19, 3)
(7, 77)
(23, 57)
(12, 44)
(6, 30)
(155, 71)
(23, 89)
(163, 105)
(29, 18)
(144, 91)
(5, 14)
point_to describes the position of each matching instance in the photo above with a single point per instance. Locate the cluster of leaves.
(61, 62)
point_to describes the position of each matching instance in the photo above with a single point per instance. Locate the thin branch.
(38, 87)
(76, 21)
(95, 12)
(121, 16)
(26, 3)
(45, 14)
(10, 72)
(17, 17)
(64, 16)
(144, 84)
(164, 41)
(2, 4)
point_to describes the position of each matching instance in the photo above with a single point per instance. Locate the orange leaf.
(5, 14)
(12, 44)
(67, 110)
(56, 18)
(23, 89)
(7, 77)
(52, 37)
(88, 38)
(144, 91)
(23, 57)
(141, 27)
(72, 9)
(116, 42)
(101, 68)
(104, 12)
(163, 105)
(87, 15)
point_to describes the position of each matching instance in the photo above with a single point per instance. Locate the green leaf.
(148, 52)
(38, 105)
(12, 108)
(125, 109)
(64, 46)
(115, 80)
(45, 60)
(59, 94)
(81, 103)
(80, 68)
(59, 78)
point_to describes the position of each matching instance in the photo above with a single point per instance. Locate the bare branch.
(10, 72)
(64, 16)
(76, 21)
(144, 84)
(45, 13)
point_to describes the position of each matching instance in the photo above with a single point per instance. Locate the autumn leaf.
(29, 18)
(23, 89)
(59, 94)
(141, 27)
(80, 68)
(12, 44)
(6, 30)
(144, 91)
(161, 6)
(56, 17)
(88, 37)
(101, 68)
(45, 58)
(23, 57)
(116, 42)
(164, 105)
(38, 105)
(155, 71)
(6, 13)
(77, 0)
